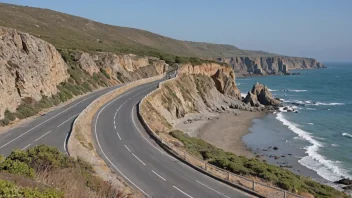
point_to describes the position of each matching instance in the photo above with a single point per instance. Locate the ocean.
(319, 137)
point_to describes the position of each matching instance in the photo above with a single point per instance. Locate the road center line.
(212, 189)
(26, 147)
(138, 159)
(158, 175)
(96, 136)
(42, 136)
(44, 122)
(67, 120)
(182, 192)
(127, 148)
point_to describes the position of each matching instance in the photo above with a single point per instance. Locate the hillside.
(72, 32)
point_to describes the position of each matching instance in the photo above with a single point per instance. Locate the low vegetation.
(45, 172)
(280, 177)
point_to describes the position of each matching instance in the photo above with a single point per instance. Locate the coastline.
(224, 130)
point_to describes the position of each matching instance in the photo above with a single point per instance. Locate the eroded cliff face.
(124, 68)
(269, 65)
(29, 68)
(197, 89)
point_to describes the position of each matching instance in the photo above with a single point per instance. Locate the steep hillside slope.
(35, 76)
(67, 31)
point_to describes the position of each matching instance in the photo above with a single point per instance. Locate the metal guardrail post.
(228, 176)
(184, 155)
(253, 187)
(205, 166)
(285, 195)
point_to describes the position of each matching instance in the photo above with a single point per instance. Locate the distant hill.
(72, 32)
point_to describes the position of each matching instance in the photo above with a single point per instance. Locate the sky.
(319, 29)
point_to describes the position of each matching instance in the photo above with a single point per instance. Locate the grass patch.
(280, 177)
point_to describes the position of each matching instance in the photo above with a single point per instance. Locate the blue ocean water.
(323, 127)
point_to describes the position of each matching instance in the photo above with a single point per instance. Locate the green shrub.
(87, 86)
(26, 110)
(282, 178)
(16, 167)
(44, 103)
(104, 73)
(9, 115)
(119, 77)
(9, 189)
(4, 122)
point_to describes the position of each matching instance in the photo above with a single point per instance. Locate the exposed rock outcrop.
(224, 77)
(197, 89)
(244, 66)
(29, 68)
(260, 95)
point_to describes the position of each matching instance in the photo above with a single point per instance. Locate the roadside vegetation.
(280, 177)
(45, 172)
(80, 82)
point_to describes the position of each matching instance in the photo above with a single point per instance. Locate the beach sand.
(223, 130)
(227, 131)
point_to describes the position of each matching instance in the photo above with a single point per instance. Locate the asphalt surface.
(123, 144)
(51, 128)
(126, 147)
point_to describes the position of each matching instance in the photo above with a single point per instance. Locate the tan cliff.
(269, 65)
(29, 68)
(197, 89)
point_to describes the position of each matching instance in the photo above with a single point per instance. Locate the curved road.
(126, 147)
(51, 128)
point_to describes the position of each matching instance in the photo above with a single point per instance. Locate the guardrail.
(248, 185)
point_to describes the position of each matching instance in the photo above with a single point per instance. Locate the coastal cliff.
(34, 75)
(29, 68)
(244, 66)
(201, 88)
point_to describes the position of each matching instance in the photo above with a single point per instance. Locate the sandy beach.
(223, 130)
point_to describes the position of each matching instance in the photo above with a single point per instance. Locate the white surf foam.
(272, 90)
(326, 168)
(327, 104)
(347, 135)
(297, 90)
(243, 95)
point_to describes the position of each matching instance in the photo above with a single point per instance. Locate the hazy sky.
(311, 28)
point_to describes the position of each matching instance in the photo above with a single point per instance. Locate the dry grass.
(71, 32)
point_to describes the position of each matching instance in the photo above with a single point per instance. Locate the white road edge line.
(211, 189)
(26, 147)
(134, 123)
(42, 136)
(96, 136)
(127, 148)
(158, 175)
(67, 120)
(43, 122)
(118, 135)
(138, 159)
(183, 192)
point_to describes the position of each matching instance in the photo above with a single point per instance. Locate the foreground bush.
(74, 178)
(9, 189)
(280, 177)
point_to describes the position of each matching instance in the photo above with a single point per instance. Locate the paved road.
(51, 128)
(127, 148)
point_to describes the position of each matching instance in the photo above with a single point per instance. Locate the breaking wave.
(326, 168)
(347, 135)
